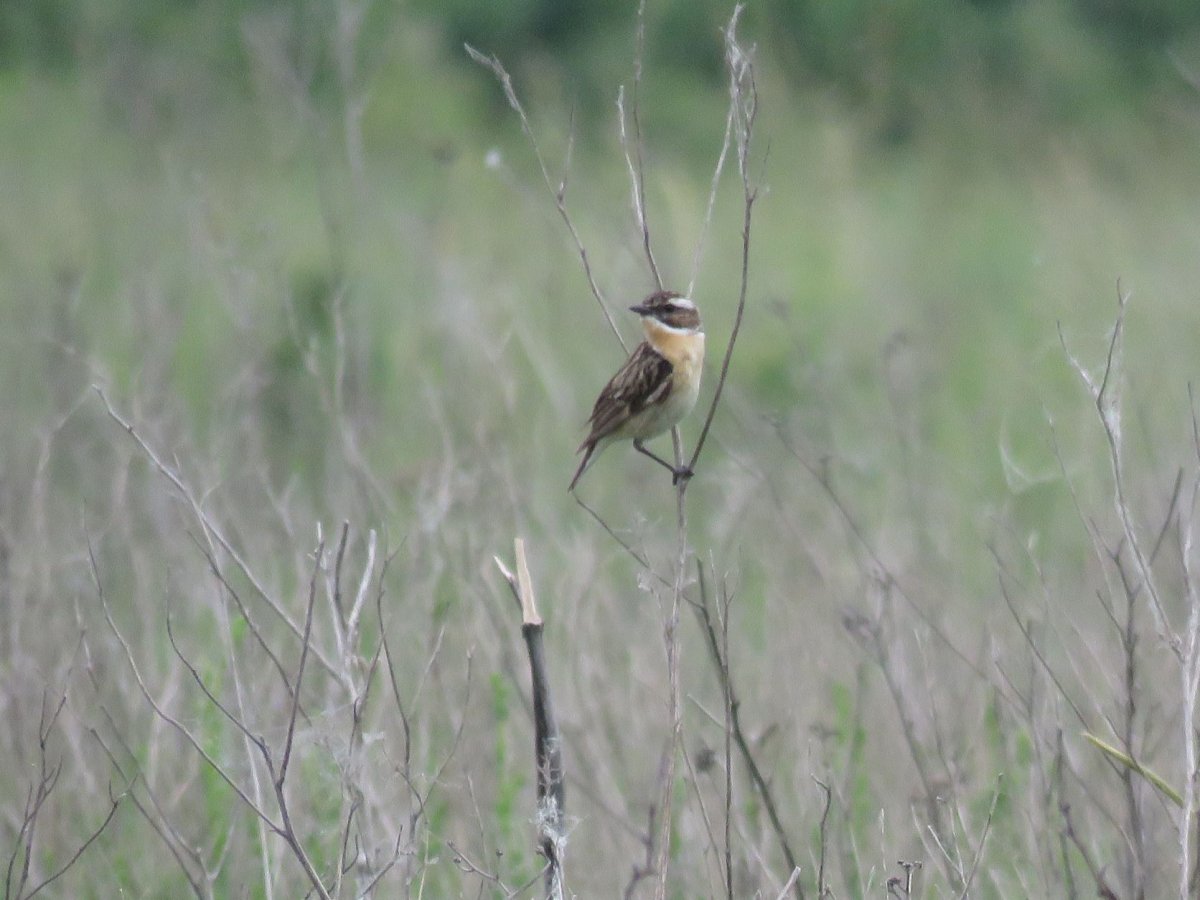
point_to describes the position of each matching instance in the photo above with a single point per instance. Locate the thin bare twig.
(638, 557)
(645, 868)
(733, 705)
(634, 161)
(698, 255)
(822, 888)
(694, 778)
(210, 527)
(1108, 407)
(560, 193)
(318, 560)
(987, 825)
(91, 839)
(182, 729)
(38, 795)
(743, 101)
(727, 734)
(824, 479)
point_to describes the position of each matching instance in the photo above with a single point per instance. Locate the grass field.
(349, 350)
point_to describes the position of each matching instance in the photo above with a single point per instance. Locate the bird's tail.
(589, 454)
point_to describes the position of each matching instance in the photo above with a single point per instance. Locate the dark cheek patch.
(682, 318)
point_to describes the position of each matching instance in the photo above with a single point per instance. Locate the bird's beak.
(639, 309)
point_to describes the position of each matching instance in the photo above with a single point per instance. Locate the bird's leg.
(683, 472)
(640, 448)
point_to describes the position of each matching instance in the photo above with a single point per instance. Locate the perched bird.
(656, 387)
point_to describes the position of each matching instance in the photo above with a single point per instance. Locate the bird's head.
(671, 309)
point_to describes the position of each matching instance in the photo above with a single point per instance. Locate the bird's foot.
(683, 473)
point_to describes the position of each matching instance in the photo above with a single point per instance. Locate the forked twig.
(16, 877)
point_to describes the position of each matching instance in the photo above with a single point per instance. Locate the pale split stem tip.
(521, 583)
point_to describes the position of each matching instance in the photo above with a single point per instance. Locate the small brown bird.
(656, 387)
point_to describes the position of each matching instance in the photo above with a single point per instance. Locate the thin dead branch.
(723, 668)
(634, 158)
(19, 870)
(743, 110)
(560, 192)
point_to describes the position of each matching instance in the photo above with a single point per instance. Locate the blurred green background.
(944, 181)
(306, 247)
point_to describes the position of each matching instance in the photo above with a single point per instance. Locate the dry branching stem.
(18, 871)
(1184, 643)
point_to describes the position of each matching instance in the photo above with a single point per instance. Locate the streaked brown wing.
(645, 379)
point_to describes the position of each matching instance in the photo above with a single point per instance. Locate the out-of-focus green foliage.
(899, 54)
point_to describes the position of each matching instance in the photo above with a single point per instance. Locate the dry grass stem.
(559, 193)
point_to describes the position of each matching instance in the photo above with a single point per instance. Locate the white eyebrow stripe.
(684, 302)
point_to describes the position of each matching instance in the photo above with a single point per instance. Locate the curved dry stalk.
(1108, 408)
(166, 717)
(633, 160)
(735, 734)
(639, 55)
(211, 529)
(987, 826)
(91, 839)
(624, 545)
(560, 193)
(712, 201)
(743, 106)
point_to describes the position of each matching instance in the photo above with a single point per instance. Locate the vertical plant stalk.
(718, 649)
(547, 743)
(1191, 681)
(1105, 394)
(674, 691)
(727, 729)
(743, 102)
